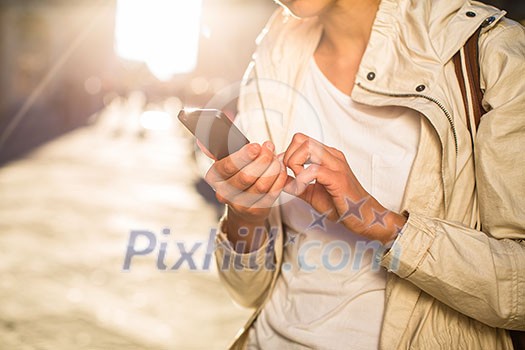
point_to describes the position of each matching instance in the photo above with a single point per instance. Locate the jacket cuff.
(410, 247)
(228, 257)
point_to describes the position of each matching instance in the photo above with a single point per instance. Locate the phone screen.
(214, 130)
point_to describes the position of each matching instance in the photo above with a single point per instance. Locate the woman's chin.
(304, 8)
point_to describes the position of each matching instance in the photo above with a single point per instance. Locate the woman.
(392, 163)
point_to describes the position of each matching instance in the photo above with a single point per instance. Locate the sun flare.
(162, 33)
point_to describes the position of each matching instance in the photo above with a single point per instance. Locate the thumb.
(291, 187)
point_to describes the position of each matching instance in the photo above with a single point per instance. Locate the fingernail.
(270, 145)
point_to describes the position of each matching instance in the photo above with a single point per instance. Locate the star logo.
(290, 239)
(318, 220)
(379, 218)
(353, 208)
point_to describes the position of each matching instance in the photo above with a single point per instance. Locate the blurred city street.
(92, 155)
(66, 212)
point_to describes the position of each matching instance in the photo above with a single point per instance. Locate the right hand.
(249, 181)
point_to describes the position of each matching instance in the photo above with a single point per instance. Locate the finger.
(205, 150)
(265, 182)
(315, 153)
(261, 186)
(276, 172)
(289, 186)
(235, 188)
(269, 145)
(273, 193)
(253, 171)
(227, 167)
(296, 161)
(297, 140)
(315, 172)
(220, 198)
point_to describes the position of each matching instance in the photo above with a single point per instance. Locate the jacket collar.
(435, 30)
(418, 37)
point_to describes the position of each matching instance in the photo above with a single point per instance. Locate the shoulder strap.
(467, 60)
(466, 64)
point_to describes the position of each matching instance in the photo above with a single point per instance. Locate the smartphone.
(214, 130)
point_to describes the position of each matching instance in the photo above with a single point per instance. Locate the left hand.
(336, 190)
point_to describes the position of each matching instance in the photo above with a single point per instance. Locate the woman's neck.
(347, 26)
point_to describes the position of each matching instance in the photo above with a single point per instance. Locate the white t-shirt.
(330, 294)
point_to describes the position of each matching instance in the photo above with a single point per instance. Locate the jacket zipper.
(429, 98)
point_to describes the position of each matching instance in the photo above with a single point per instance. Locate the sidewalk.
(66, 212)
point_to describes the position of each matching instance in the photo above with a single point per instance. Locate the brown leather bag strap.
(471, 58)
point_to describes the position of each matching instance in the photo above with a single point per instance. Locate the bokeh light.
(155, 120)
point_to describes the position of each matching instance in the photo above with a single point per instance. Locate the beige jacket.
(450, 285)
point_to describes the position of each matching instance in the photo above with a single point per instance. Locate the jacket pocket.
(389, 176)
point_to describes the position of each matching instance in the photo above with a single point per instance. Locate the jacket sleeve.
(248, 277)
(482, 274)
